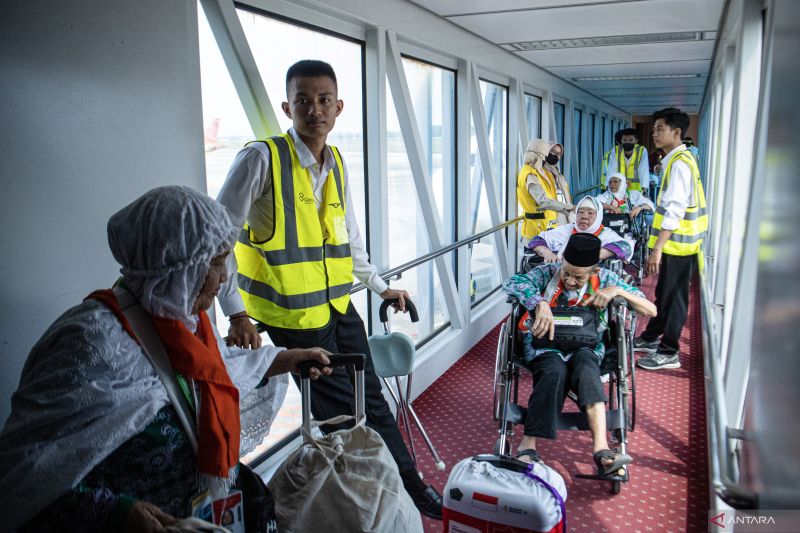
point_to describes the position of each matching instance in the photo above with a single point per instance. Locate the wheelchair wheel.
(616, 487)
(500, 374)
(632, 397)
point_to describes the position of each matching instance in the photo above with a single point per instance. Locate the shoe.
(429, 502)
(641, 345)
(658, 361)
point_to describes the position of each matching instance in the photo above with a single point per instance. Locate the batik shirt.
(528, 289)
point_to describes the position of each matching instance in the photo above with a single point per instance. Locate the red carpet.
(668, 487)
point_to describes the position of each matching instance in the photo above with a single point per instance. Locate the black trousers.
(552, 379)
(672, 302)
(333, 395)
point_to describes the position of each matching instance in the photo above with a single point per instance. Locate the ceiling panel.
(599, 86)
(462, 7)
(599, 55)
(604, 38)
(633, 69)
(595, 20)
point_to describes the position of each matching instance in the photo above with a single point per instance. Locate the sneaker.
(658, 361)
(641, 345)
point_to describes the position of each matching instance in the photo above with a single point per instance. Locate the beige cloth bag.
(346, 481)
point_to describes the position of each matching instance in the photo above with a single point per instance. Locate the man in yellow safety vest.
(679, 225)
(612, 153)
(632, 161)
(299, 251)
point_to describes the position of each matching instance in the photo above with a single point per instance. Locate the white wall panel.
(101, 102)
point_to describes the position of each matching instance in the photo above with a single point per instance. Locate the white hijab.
(556, 238)
(623, 185)
(165, 241)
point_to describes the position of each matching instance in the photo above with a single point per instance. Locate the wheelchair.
(640, 229)
(618, 363)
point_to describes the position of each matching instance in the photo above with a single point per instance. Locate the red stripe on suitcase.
(485, 498)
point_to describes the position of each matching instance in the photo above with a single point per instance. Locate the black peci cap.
(582, 250)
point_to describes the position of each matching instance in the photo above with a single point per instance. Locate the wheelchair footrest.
(610, 477)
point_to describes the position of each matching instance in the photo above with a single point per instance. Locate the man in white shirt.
(632, 161)
(299, 252)
(679, 225)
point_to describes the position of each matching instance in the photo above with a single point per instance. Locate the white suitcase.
(491, 493)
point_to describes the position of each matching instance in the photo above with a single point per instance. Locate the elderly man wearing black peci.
(576, 281)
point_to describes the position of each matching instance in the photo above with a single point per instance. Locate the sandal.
(619, 460)
(533, 454)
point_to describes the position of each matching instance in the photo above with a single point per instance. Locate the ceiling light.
(612, 40)
(636, 77)
(660, 93)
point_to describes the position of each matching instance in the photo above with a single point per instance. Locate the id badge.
(228, 512)
(340, 229)
(201, 506)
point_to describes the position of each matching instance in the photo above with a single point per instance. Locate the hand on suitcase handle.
(356, 359)
(412, 309)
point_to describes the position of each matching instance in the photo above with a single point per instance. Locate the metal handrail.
(587, 190)
(728, 491)
(433, 255)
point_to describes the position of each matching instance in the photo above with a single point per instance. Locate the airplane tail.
(210, 136)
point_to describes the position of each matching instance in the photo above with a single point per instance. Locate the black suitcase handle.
(354, 359)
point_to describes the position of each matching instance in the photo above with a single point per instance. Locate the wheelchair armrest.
(619, 300)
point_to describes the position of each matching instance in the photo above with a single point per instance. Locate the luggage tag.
(568, 321)
(228, 512)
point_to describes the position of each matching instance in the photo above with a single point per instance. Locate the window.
(593, 155)
(577, 150)
(432, 91)
(559, 111)
(533, 116)
(484, 270)
(227, 130)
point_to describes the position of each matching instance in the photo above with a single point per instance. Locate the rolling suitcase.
(344, 481)
(492, 493)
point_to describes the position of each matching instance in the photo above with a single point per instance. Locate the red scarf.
(197, 357)
(594, 286)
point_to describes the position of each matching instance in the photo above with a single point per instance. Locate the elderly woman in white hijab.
(542, 195)
(549, 244)
(93, 441)
(617, 199)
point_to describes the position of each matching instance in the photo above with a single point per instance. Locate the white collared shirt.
(678, 193)
(247, 195)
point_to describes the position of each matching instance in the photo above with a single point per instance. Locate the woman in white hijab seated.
(588, 219)
(617, 199)
(93, 441)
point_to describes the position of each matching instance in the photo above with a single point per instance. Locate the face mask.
(551, 159)
(628, 146)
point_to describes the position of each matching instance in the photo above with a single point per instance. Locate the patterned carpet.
(668, 483)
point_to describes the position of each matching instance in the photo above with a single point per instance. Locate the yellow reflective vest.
(291, 279)
(688, 237)
(604, 166)
(536, 219)
(629, 170)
